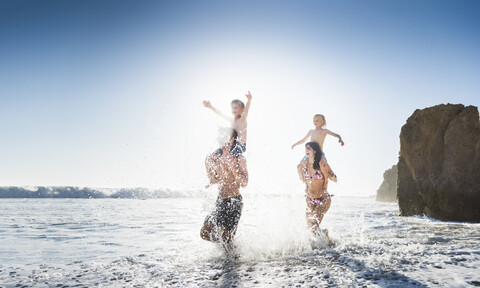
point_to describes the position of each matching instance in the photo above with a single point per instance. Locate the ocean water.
(156, 243)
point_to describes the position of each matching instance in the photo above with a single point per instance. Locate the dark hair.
(233, 134)
(236, 101)
(318, 154)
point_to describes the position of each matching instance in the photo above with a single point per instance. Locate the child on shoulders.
(238, 121)
(319, 134)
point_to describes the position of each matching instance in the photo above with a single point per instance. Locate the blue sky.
(108, 93)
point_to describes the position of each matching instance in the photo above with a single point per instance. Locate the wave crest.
(87, 192)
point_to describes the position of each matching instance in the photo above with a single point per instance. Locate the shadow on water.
(377, 276)
(326, 268)
(227, 274)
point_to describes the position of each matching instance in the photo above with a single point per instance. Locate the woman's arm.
(301, 170)
(335, 135)
(327, 171)
(303, 140)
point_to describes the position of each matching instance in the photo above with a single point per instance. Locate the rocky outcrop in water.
(388, 190)
(439, 164)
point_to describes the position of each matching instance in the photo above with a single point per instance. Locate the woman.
(315, 174)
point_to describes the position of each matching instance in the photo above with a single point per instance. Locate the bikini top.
(317, 176)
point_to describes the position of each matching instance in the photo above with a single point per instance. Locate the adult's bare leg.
(320, 212)
(315, 214)
(209, 232)
(321, 209)
(310, 214)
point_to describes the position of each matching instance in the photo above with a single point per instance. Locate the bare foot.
(325, 231)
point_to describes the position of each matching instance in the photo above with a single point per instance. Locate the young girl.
(319, 133)
(239, 121)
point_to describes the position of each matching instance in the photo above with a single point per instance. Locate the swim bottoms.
(239, 148)
(227, 213)
(316, 201)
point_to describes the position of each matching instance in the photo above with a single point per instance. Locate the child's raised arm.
(303, 140)
(209, 105)
(335, 135)
(247, 106)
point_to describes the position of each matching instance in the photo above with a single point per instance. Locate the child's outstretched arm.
(247, 106)
(303, 140)
(335, 135)
(209, 105)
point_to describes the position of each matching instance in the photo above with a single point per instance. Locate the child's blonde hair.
(323, 118)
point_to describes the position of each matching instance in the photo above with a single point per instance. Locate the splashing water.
(156, 242)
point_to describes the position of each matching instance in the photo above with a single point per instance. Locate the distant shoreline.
(72, 192)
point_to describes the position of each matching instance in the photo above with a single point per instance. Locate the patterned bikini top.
(317, 176)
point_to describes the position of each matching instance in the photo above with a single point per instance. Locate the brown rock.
(388, 190)
(438, 167)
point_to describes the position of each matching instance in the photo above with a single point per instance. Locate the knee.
(204, 234)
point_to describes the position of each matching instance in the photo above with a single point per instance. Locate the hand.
(335, 179)
(207, 104)
(340, 141)
(249, 96)
(293, 146)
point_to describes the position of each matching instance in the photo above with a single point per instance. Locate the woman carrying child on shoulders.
(315, 173)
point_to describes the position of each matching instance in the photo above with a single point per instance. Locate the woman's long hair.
(318, 154)
(233, 134)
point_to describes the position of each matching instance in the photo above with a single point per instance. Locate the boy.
(238, 122)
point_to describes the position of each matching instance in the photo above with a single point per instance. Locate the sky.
(109, 93)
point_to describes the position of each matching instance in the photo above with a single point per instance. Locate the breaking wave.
(88, 193)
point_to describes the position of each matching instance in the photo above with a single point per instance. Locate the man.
(229, 171)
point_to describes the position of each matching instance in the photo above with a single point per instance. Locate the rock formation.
(439, 164)
(388, 190)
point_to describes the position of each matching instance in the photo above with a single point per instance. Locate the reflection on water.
(156, 242)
